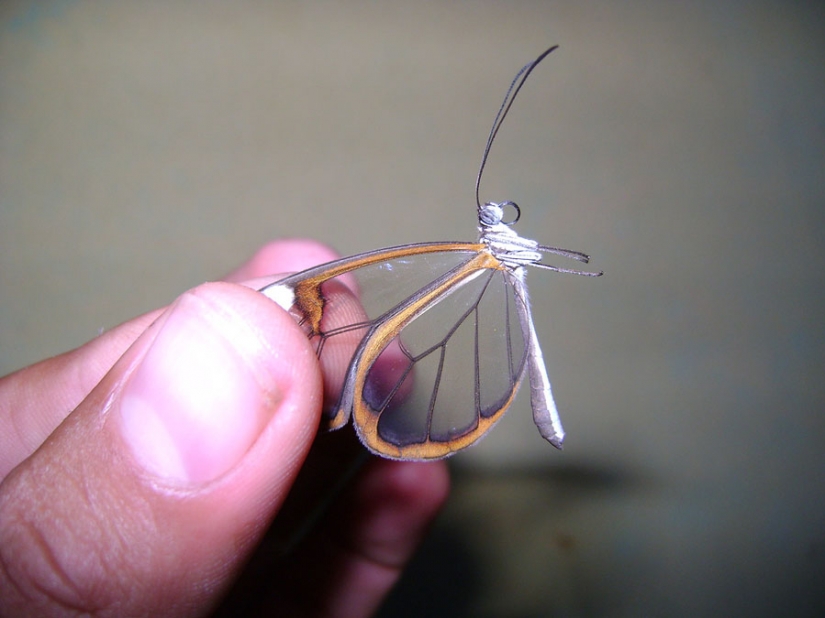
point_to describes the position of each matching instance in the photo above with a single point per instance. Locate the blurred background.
(146, 147)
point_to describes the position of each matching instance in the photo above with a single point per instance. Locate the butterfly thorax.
(502, 241)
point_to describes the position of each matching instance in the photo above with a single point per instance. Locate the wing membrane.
(427, 357)
(323, 301)
(456, 356)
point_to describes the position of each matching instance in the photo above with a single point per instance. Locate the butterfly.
(425, 345)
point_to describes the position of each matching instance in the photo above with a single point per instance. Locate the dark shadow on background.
(446, 577)
(441, 580)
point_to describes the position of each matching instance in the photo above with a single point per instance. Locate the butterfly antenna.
(512, 91)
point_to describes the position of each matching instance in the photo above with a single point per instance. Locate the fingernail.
(199, 398)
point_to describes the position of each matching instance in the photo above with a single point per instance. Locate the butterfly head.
(503, 242)
(491, 214)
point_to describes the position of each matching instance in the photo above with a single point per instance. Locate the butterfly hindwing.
(434, 375)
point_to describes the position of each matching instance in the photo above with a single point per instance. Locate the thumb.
(149, 496)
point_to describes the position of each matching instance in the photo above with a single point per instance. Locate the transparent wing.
(437, 373)
(338, 302)
(422, 343)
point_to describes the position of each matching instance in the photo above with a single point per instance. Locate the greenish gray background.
(146, 147)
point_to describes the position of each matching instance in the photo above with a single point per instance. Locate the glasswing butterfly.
(424, 314)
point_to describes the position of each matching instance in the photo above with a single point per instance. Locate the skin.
(147, 472)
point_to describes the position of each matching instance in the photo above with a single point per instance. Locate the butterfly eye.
(490, 215)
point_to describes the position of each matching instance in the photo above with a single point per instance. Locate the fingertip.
(359, 552)
(99, 515)
(399, 502)
(425, 484)
(219, 365)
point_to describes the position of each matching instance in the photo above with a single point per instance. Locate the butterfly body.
(425, 345)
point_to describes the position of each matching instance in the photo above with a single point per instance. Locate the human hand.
(140, 471)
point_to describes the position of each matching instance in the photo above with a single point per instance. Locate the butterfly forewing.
(337, 303)
(385, 285)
